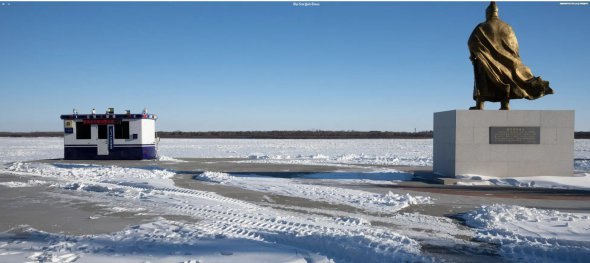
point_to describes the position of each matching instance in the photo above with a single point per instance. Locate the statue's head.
(492, 10)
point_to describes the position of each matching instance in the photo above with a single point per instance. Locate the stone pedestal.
(504, 143)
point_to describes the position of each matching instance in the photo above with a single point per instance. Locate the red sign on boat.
(102, 121)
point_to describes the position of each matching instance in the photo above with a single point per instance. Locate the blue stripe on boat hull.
(117, 153)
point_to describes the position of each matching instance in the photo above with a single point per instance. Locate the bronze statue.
(500, 75)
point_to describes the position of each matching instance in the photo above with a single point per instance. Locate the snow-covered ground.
(372, 202)
(159, 241)
(533, 235)
(347, 239)
(578, 181)
(215, 228)
(224, 229)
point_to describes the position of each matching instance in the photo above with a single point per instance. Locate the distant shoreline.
(275, 134)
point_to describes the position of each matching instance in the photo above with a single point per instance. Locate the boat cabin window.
(102, 131)
(122, 130)
(82, 131)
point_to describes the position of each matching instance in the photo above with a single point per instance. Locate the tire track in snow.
(361, 243)
(238, 219)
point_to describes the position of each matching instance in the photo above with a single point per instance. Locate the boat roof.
(107, 116)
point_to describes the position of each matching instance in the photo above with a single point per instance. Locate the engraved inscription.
(515, 135)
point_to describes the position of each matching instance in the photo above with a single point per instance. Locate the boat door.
(105, 145)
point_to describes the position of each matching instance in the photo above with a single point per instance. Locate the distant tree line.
(276, 134)
(582, 135)
(31, 134)
(297, 135)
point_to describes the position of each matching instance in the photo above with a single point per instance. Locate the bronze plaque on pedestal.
(515, 135)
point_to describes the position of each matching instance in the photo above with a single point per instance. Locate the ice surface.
(391, 152)
(29, 149)
(378, 176)
(582, 165)
(582, 149)
(358, 151)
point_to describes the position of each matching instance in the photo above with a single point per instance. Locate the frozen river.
(416, 152)
(355, 210)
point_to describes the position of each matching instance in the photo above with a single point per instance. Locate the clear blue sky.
(273, 66)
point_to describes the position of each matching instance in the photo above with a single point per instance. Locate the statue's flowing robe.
(499, 72)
